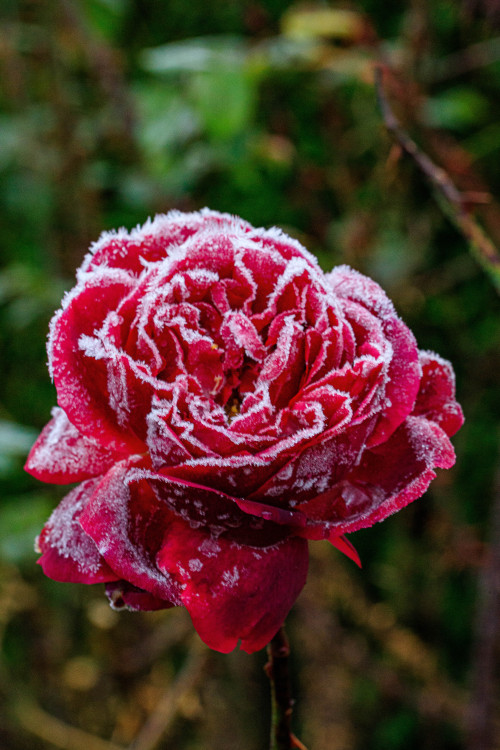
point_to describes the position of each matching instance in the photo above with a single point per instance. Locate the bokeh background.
(114, 110)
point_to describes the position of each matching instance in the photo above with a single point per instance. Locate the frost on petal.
(436, 397)
(68, 553)
(402, 373)
(62, 454)
(203, 507)
(127, 522)
(233, 592)
(80, 373)
(387, 478)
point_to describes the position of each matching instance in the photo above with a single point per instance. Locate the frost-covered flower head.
(222, 402)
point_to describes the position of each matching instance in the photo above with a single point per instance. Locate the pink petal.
(68, 554)
(436, 397)
(387, 478)
(127, 523)
(81, 380)
(234, 591)
(62, 454)
(403, 374)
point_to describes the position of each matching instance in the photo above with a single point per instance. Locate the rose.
(222, 402)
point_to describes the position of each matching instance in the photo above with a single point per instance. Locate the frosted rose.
(222, 401)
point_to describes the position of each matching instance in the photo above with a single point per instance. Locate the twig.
(277, 669)
(482, 715)
(50, 729)
(466, 60)
(452, 200)
(161, 718)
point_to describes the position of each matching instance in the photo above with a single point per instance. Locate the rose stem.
(277, 669)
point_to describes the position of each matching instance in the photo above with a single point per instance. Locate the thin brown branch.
(471, 58)
(455, 204)
(482, 721)
(56, 732)
(277, 669)
(161, 718)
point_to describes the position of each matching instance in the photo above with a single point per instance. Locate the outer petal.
(233, 591)
(122, 595)
(82, 388)
(62, 454)
(247, 523)
(127, 523)
(152, 241)
(436, 397)
(403, 374)
(68, 554)
(387, 478)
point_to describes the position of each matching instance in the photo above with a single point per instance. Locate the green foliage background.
(114, 110)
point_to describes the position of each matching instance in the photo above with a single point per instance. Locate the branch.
(56, 732)
(482, 714)
(166, 710)
(452, 200)
(277, 669)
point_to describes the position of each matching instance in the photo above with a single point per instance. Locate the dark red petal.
(436, 397)
(81, 380)
(68, 553)
(402, 380)
(239, 475)
(62, 455)
(345, 546)
(127, 523)
(200, 506)
(152, 241)
(122, 595)
(402, 377)
(314, 470)
(387, 478)
(234, 592)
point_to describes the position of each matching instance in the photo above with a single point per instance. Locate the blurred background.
(114, 110)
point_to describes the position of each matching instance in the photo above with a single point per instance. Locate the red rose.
(222, 401)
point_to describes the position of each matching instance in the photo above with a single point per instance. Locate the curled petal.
(127, 522)
(402, 375)
(82, 380)
(436, 396)
(387, 478)
(68, 553)
(233, 592)
(345, 546)
(62, 454)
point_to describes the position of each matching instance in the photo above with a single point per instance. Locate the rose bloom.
(222, 401)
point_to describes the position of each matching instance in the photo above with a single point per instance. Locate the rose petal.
(68, 554)
(82, 380)
(436, 396)
(151, 242)
(62, 454)
(127, 523)
(122, 595)
(403, 371)
(233, 591)
(388, 477)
